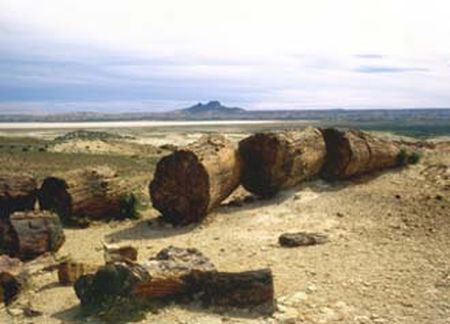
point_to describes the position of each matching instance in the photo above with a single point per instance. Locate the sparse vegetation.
(129, 207)
(89, 135)
(404, 157)
(414, 158)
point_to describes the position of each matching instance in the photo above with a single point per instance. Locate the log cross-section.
(27, 235)
(191, 181)
(17, 192)
(277, 161)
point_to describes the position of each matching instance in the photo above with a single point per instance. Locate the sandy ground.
(388, 259)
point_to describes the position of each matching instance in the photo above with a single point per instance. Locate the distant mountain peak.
(212, 106)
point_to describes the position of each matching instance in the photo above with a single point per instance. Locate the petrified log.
(175, 272)
(191, 181)
(93, 193)
(276, 161)
(30, 234)
(13, 277)
(17, 192)
(238, 289)
(352, 152)
(130, 280)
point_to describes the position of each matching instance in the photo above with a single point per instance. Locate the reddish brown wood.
(277, 161)
(17, 192)
(33, 233)
(92, 193)
(191, 181)
(351, 153)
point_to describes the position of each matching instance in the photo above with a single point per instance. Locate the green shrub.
(414, 158)
(405, 158)
(129, 205)
(402, 157)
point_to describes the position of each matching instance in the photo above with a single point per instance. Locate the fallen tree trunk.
(13, 278)
(351, 153)
(28, 235)
(277, 161)
(92, 193)
(17, 192)
(129, 280)
(190, 182)
(175, 272)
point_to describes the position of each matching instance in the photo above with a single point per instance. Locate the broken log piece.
(36, 233)
(351, 153)
(17, 192)
(302, 239)
(116, 253)
(70, 271)
(191, 181)
(93, 193)
(175, 272)
(13, 278)
(237, 289)
(129, 280)
(30, 234)
(277, 161)
(174, 262)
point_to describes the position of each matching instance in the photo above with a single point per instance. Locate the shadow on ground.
(154, 228)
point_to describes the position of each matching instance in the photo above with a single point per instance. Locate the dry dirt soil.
(387, 261)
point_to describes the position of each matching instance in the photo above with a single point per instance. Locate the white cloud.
(284, 52)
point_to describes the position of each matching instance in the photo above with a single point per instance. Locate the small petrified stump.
(92, 193)
(277, 161)
(70, 271)
(13, 277)
(302, 239)
(351, 153)
(17, 192)
(191, 181)
(30, 234)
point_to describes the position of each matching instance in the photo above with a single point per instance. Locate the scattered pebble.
(15, 311)
(302, 239)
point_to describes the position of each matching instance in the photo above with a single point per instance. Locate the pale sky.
(117, 55)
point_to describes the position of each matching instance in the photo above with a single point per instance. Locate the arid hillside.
(387, 258)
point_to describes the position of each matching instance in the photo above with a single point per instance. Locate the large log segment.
(93, 193)
(17, 192)
(351, 153)
(27, 235)
(191, 181)
(276, 161)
